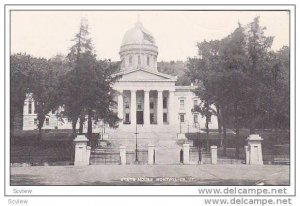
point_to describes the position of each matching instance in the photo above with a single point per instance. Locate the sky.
(48, 33)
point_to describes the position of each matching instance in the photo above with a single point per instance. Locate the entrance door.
(140, 117)
(151, 118)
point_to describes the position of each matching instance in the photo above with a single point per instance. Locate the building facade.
(145, 96)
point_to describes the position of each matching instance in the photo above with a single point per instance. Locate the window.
(35, 121)
(195, 102)
(195, 118)
(181, 117)
(165, 102)
(29, 107)
(130, 60)
(127, 105)
(53, 111)
(34, 108)
(139, 106)
(47, 121)
(127, 117)
(123, 63)
(165, 117)
(151, 105)
(139, 60)
(148, 60)
(181, 104)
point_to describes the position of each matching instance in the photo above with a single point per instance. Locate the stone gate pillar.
(186, 154)
(247, 154)
(81, 151)
(214, 154)
(255, 150)
(123, 155)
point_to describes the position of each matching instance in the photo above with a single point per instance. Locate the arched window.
(148, 60)
(139, 60)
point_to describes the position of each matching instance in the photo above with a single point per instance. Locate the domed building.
(138, 49)
(145, 97)
(148, 97)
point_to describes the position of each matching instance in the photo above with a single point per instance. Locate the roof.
(138, 35)
(145, 75)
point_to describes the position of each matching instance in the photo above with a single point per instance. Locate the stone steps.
(166, 148)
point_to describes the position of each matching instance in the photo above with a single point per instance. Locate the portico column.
(146, 107)
(120, 105)
(171, 108)
(159, 107)
(133, 107)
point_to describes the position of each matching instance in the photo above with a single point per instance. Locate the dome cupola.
(138, 49)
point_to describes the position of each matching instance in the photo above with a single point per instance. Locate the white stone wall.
(188, 96)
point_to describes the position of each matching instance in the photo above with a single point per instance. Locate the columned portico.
(146, 107)
(171, 108)
(120, 105)
(133, 107)
(159, 107)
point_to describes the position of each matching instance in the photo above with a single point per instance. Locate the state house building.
(145, 96)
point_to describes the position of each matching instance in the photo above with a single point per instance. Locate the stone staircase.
(163, 137)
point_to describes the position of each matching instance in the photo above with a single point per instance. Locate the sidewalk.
(149, 174)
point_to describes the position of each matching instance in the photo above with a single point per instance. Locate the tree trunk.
(74, 122)
(40, 134)
(252, 128)
(237, 131)
(224, 138)
(219, 126)
(81, 121)
(12, 123)
(90, 125)
(237, 145)
(41, 120)
(207, 135)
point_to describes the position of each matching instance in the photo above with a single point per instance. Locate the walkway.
(173, 174)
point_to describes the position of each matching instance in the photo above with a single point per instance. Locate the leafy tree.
(20, 68)
(257, 47)
(87, 88)
(201, 71)
(243, 80)
(44, 90)
(234, 62)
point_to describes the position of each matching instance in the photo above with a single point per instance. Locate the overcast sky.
(47, 33)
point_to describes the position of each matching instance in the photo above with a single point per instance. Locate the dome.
(138, 49)
(138, 35)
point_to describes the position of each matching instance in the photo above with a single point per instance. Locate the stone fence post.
(247, 154)
(123, 155)
(255, 150)
(88, 154)
(81, 151)
(214, 154)
(186, 154)
(150, 154)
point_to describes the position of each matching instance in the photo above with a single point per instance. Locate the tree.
(201, 71)
(257, 47)
(87, 88)
(44, 90)
(20, 68)
(73, 83)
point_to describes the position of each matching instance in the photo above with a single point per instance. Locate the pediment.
(144, 75)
